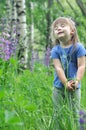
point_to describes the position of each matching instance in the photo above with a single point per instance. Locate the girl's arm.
(61, 74)
(81, 67)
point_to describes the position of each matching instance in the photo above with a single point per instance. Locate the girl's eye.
(62, 25)
(55, 28)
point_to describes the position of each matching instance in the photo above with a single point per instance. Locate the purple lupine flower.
(82, 112)
(32, 60)
(37, 56)
(47, 57)
(8, 46)
(13, 46)
(7, 52)
(8, 43)
(6, 34)
(82, 119)
(2, 40)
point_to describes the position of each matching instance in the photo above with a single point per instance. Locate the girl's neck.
(66, 44)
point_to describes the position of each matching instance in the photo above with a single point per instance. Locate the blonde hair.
(71, 23)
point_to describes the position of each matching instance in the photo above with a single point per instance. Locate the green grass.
(26, 98)
(83, 92)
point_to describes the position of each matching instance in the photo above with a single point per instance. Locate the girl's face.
(62, 31)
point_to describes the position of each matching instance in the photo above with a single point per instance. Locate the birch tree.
(9, 10)
(32, 22)
(22, 32)
(13, 16)
(48, 21)
(82, 6)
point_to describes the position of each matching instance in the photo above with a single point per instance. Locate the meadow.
(26, 98)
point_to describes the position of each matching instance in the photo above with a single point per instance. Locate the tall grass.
(83, 101)
(26, 98)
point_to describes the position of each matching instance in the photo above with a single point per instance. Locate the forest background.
(26, 71)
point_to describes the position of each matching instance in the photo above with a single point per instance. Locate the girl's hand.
(75, 84)
(69, 85)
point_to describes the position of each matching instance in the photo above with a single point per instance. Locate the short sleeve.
(81, 51)
(55, 53)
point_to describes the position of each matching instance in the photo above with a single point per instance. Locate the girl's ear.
(72, 32)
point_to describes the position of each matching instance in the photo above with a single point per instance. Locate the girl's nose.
(59, 27)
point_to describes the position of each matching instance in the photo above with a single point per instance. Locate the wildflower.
(47, 57)
(82, 119)
(6, 34)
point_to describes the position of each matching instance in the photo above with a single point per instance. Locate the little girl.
(68, 56)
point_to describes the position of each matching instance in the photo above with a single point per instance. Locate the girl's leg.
(74, 99)
(58, 101)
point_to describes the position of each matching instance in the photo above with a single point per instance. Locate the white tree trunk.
(14, 16)
(9, 10)
(22, 31)
(32, 23)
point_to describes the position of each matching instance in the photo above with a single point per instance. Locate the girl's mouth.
(60, 32)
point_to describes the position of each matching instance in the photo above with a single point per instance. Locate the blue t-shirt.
(68, 57)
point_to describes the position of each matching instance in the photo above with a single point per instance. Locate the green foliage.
(83, 101)
(2, 8)
(23, 97)
(58, 8)
(26, 98)
(38, 17)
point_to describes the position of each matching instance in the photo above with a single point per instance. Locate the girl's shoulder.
(79, 44)
(80, 49)
(55, 48)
